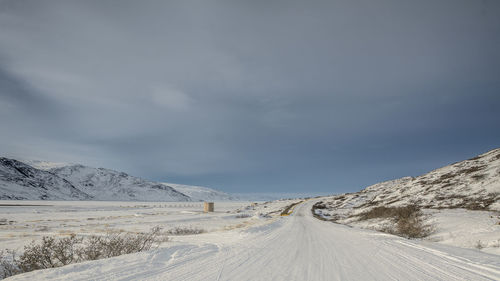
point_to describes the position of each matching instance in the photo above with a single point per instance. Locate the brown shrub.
(471, 203)
(49, 253)
(320, 205)
(478, 177)
(7, 265)
(242, 216)
(185, 231)
(408, 220)
(52, 252)
(413, 226)
(471, 169)
(389, 212)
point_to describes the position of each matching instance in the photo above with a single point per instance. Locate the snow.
(108, 185)
(59, 181)
(21, 181)
(30, 220)
(201, 193)
(45, 165)
(295, 247)
(464, 228)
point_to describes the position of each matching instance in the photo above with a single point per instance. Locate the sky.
(251, 96)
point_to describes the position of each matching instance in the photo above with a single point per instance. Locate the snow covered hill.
(470, 188)
(58, 181)
(471, 184)
(109, 185)
(201, 193)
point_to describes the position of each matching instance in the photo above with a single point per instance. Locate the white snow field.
(24, 221)
(295, 247)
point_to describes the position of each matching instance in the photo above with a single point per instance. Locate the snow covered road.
(296, 247)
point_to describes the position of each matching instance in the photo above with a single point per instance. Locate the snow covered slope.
(201, 193)
(109, 185)
(21, 181)
(472, 184)
(59, 181)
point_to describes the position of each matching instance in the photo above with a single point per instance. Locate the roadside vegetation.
(408, 221)
(185, 231)
(243, 216)
(53, 252)
(288, 209)
(319, 206)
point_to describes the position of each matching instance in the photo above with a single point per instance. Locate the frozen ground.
(467, 229)
(295, 247)
(456, 227)
(23, 221)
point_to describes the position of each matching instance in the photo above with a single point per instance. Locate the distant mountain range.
(38, 180)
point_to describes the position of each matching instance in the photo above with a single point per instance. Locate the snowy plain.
(24, 221)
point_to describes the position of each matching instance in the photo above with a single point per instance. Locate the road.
(296, 247)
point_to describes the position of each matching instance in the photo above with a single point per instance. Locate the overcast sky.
(251, 96)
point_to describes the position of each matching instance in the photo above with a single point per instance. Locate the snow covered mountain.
(201, 193)
(21, 181)
(109, 185)
(58, 181)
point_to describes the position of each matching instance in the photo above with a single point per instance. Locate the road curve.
(296, 247)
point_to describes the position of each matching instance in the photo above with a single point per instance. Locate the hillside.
(470, 184)
(447, 197)
(109, 185)
(58, 181)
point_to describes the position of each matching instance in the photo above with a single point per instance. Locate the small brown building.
(208, 207)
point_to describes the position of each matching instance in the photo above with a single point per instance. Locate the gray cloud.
(253, 95)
